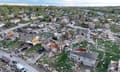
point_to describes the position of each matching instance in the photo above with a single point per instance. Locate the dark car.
(19, 30)
(14, 62)
(1, 70)
(23, 49)
(41, 50)
(5, 59)
(23, 70)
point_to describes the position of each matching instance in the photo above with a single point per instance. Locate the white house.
(1, 24)
(41, 17)
(25, 19)
(84, 57)
(15, 21)
(107, 34)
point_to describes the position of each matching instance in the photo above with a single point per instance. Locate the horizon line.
(26, 4)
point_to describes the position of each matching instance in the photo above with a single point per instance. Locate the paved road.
(16, 27)
(76, 27)
(19, 60)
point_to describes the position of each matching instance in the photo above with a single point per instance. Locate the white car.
(21, 68)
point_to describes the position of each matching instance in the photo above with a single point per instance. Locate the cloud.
(91, 2)
(67, 2)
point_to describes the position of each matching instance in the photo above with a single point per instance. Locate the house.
(79, 30)
(15, 21)
(91, 25)
(107, 34)
(53, 46)
(84, 57)
(72, 22)
(25, 19)
(53, 19)
(41, 25)
(33, 25)
(100, 13)
(10, 35)
(41, 17)
(64, 20)
(33, 17)
(11, 15)
(106, 26)
(58, 35)
(114, 66)
(1, 17)
(2, 24)
(95, 20)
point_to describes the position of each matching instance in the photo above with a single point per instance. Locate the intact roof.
(90, 55)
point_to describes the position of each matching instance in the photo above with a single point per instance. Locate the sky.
(66, 2)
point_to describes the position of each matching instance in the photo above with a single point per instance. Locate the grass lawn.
(115, 28)
(2, 64)
(34, 49)
(111, 53)
(10, 44)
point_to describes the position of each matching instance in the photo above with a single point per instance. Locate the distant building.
(41, 17)
(79, 30)
(34, 17)
(100, 13)
(54, 19)
(25, 19)
(11, 15)
(95, 20)
(106, 26)
(91, 25)
(64, 20)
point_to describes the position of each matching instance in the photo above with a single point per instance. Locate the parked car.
(23, 70)
(20, 68)
(1, 70)
(23, 49)
(5, 59)
(14, 62)
(41, 50)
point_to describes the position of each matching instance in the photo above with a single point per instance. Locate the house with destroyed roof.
(84, 57)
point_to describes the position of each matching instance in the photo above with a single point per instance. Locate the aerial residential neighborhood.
(59, 39)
